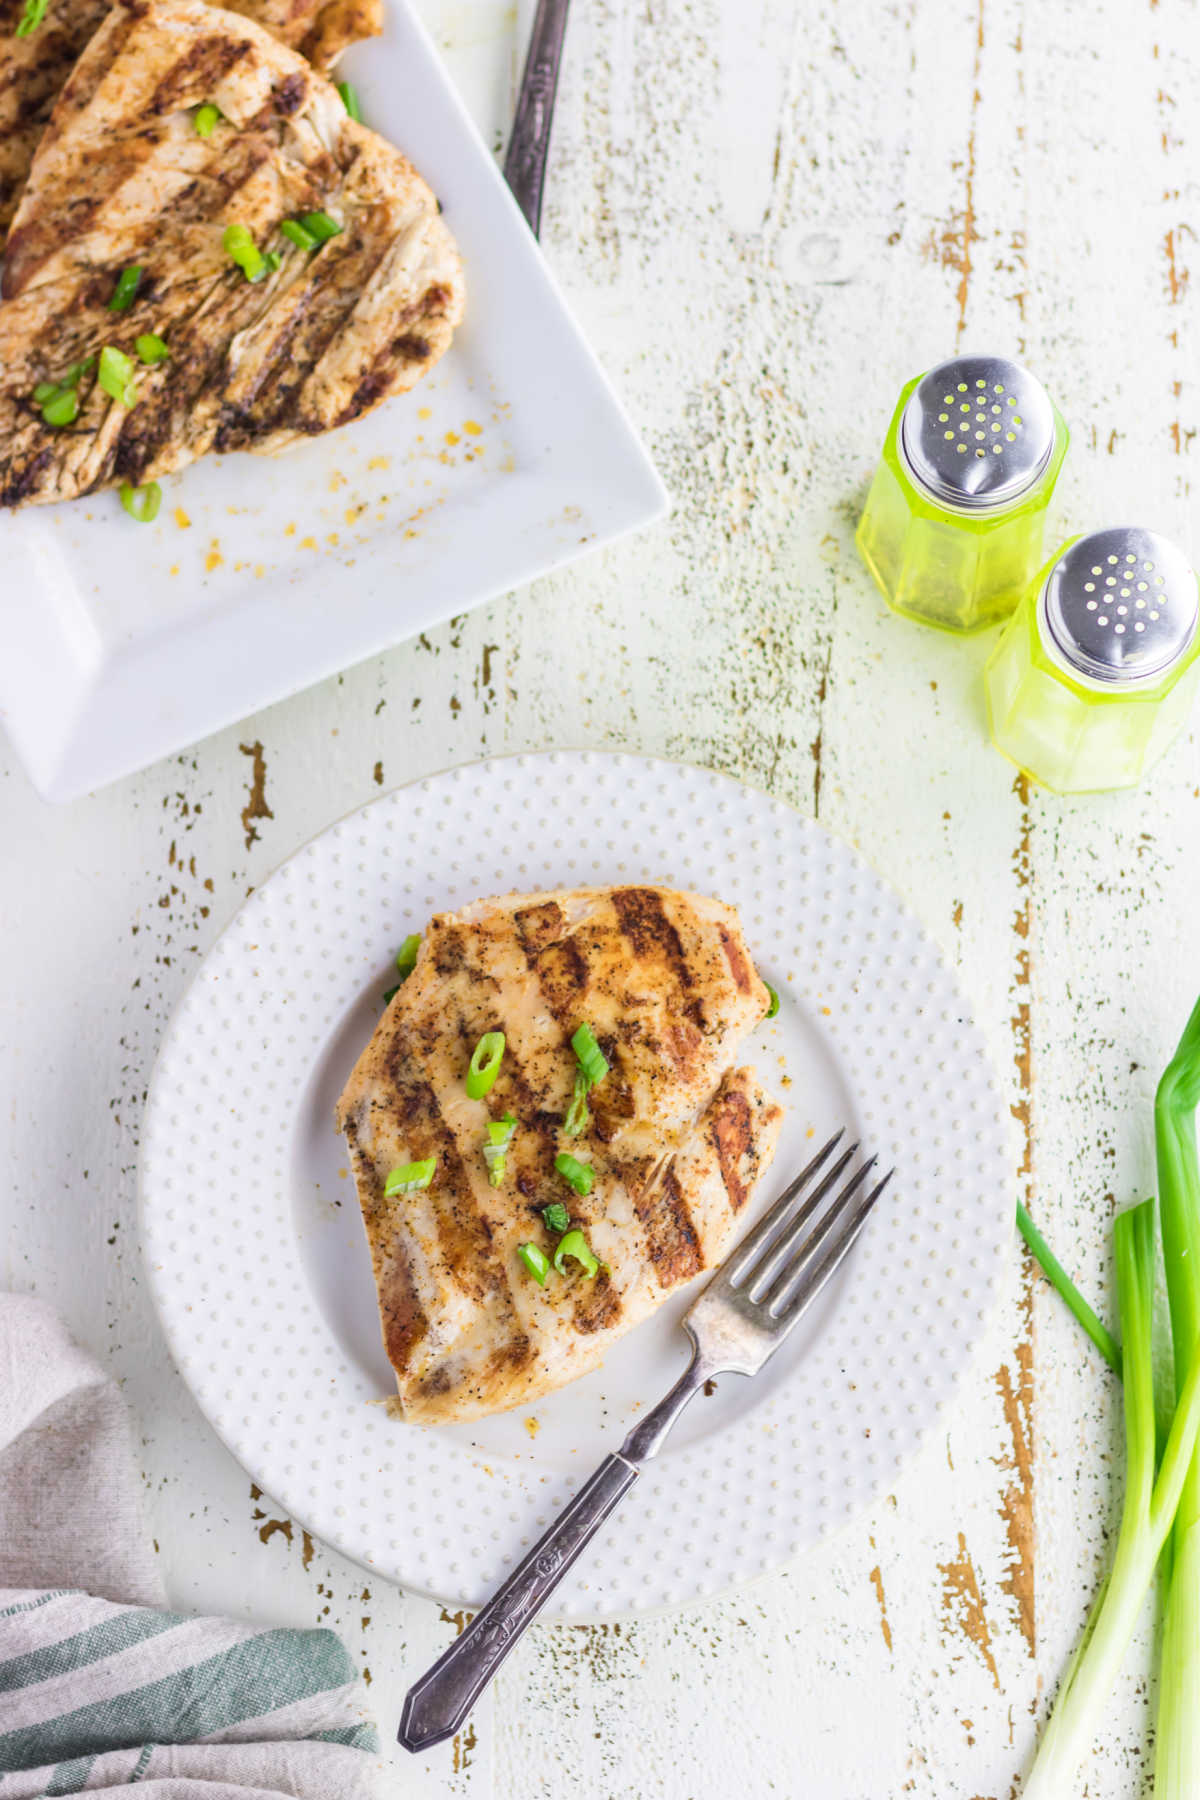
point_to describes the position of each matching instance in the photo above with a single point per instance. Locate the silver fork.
(736, 1324)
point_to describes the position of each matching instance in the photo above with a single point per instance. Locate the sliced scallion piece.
(590, 1056)
(485, 1065)
(496, 1144)
(46, 390)
(206, 118)
(151, 348)
(296, 234)
(350, 101)
(240, 246)
(141, 503)
(557, 1218)
(320, 227)
(578, 1117)
(536, 1262)
(410, 1178)
(406, 955)
(576, 1246)
(62, 407)
(576, 1174)
(115, 376)
(773, 1008)
(31, 18)
(125, 292)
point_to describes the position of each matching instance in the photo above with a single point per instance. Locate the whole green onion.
(590, 1057)
(576, 1246)
(115, 376)
(296, 234)
(35, 11)
(496, 1145)
(557, 1218)
(240, 247)
(141, 503)
(410, 1178)
(206, 118)
(151, 348)
(321, 227)
(578, 1175)
(485, 1065)
(126, 289)
(773, 1008)
(1177, 1743)
(578, 1118)
(1149, 1507)
(535, 1261)
(350, 101)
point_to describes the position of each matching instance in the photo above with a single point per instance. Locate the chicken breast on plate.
(676, 1137)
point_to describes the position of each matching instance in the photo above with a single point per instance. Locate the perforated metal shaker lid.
(1121, 605)
(977, 432)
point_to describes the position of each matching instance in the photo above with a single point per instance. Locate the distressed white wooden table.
(766, 216)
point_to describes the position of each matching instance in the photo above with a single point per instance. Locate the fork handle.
(436, 1707)
(529, 145)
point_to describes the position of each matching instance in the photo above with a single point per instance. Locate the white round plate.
(259, 1265)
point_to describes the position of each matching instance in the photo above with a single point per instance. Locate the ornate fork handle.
(525, 163)
(439, 1703)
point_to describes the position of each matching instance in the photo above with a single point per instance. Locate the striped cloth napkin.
(99, 1686)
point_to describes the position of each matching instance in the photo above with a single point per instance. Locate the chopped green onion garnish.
(500, 1134)
(296, 234)
(535, 1261)
(31, 18)
(556, 1216)
(410, 1178)
(46, 390)
(773, 1008)
(406, 955)
(350, 101)
(115, 376)
(389, 994)
(142, 503)
(62, 407)
(576, 1174)
(126, 288)
(206, 119)
(578, 1117)
(238, 244)
(151, 348)
(320, 226)
(272, 259)
(591, 1057)
(577, 1246)
(485, 1065)
(77, 371)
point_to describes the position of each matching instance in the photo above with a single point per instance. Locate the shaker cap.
(1121, 605)
(977, 432)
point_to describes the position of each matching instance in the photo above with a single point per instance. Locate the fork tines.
(785, 1259)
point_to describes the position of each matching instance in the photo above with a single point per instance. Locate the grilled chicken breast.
(34, 69)
(677, 1137)
(122, 179)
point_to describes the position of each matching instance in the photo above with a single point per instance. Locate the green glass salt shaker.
(1095, 672)
(953, 525)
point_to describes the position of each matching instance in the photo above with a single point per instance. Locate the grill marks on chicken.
(121, 178)
(678, 1137)
(34, 69)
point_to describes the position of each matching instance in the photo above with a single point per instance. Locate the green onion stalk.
(1149, 1507)
(1177, 1751)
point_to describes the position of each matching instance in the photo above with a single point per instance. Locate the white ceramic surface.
(255, 1248)
(120, 642)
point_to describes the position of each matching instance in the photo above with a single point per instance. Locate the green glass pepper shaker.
(1094, 674)
(953, 525)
